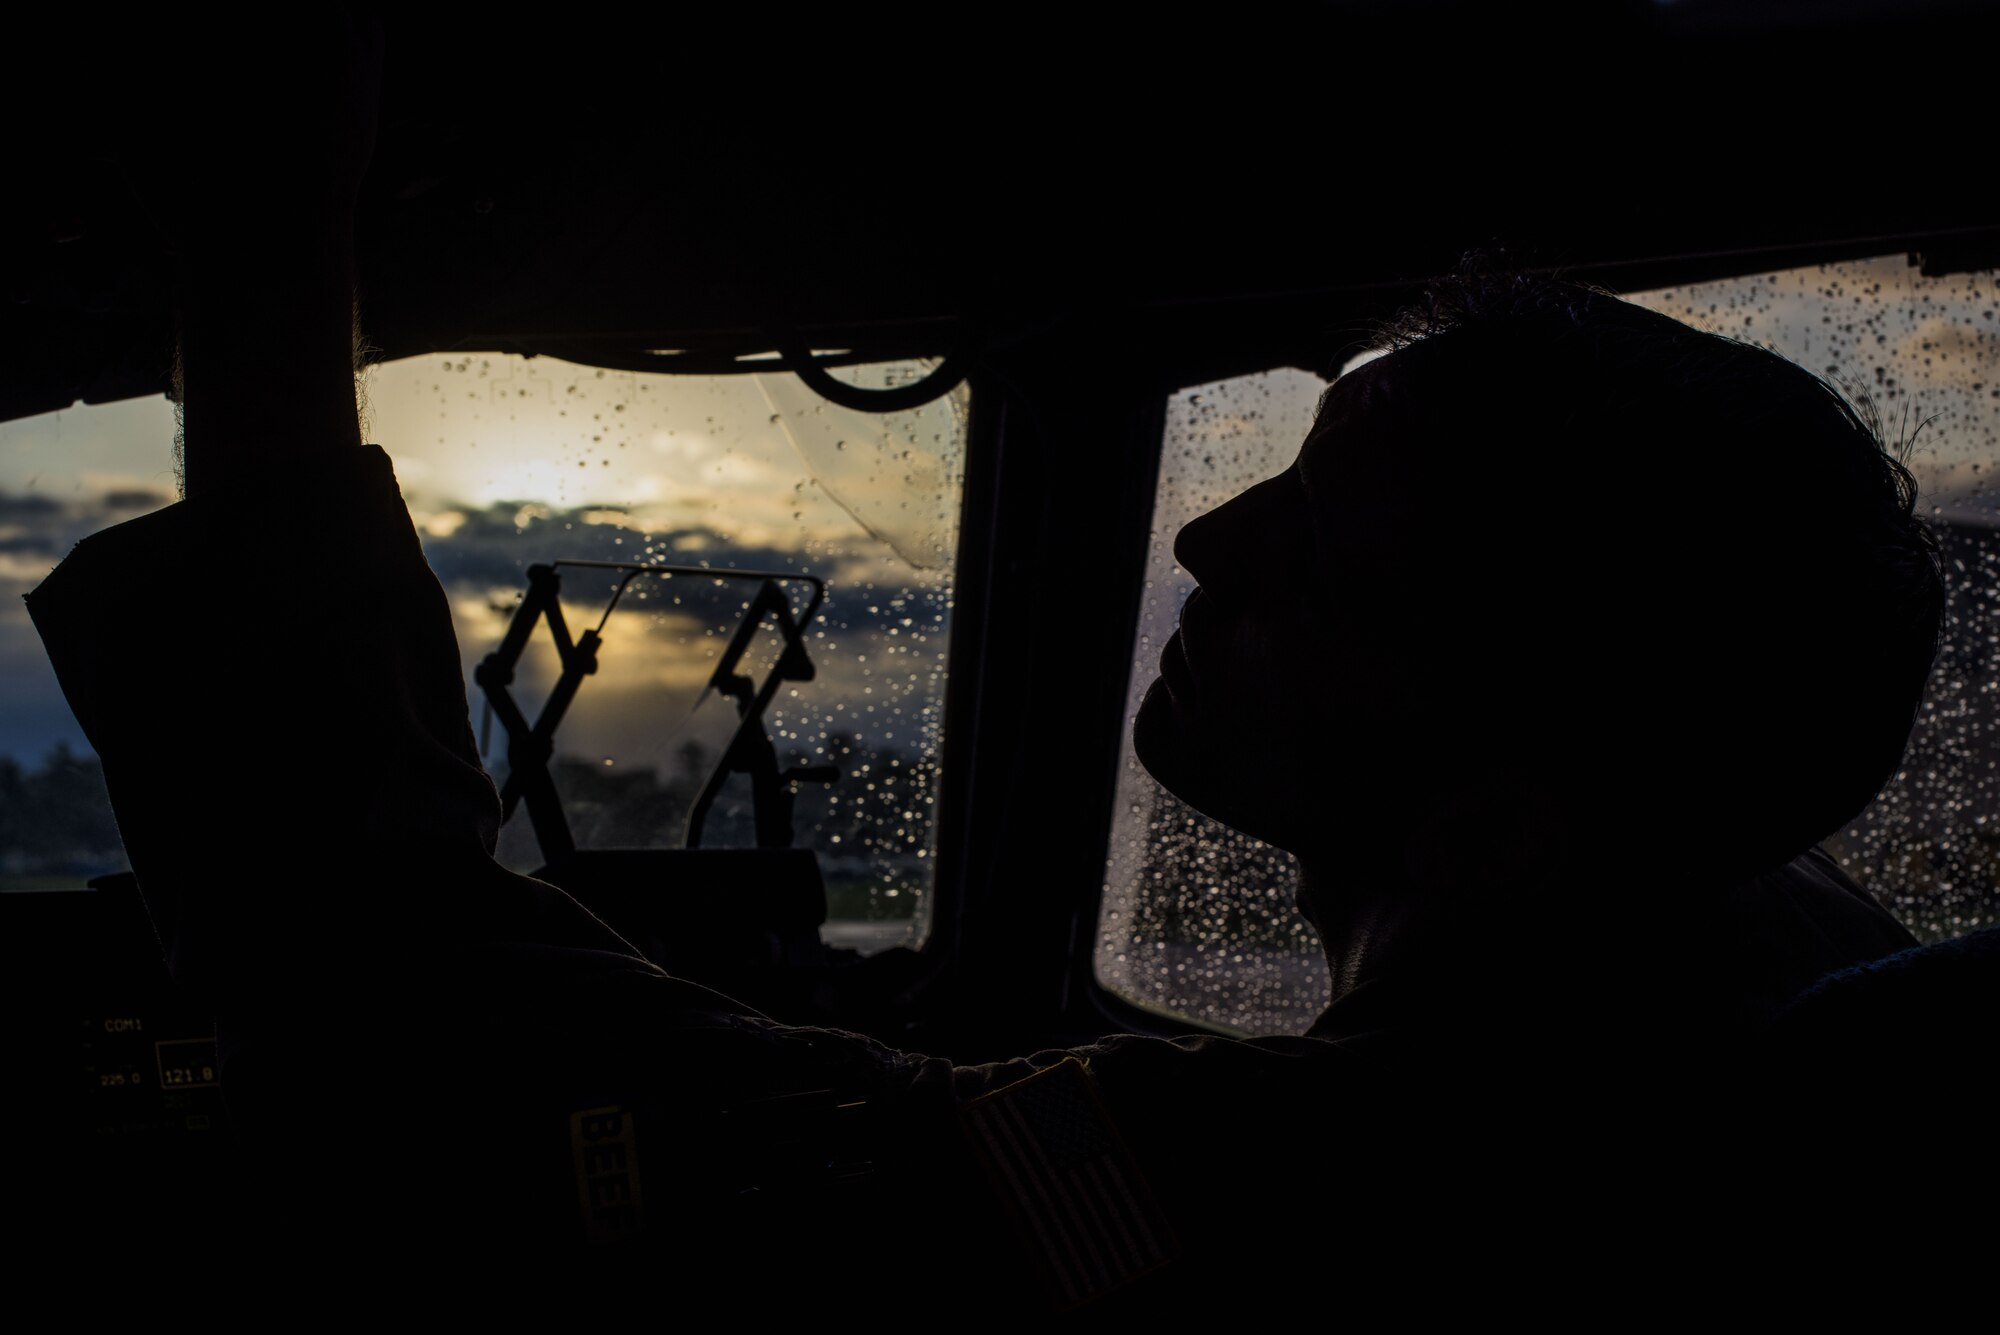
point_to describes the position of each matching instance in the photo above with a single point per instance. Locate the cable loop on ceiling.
(943, 379)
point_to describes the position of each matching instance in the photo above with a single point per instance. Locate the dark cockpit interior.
(798, 409)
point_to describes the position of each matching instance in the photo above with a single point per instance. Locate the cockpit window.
(1199, 921)
(507, 462)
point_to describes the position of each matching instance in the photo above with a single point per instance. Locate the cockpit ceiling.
(885, 182)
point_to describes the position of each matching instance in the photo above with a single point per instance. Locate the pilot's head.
(1556, 576)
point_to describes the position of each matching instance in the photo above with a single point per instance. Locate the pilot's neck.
(1399, 950)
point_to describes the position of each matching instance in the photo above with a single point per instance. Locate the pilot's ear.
(1498, 827)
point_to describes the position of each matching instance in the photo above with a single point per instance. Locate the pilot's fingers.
(259, 133)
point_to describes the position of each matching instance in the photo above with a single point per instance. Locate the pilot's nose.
(1264, 534)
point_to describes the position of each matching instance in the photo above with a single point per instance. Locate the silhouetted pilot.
(1568, 634)
(1531, 647)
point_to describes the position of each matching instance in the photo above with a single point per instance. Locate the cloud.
(134, 498)
(31, 508)
(37, 529)
(496, 544)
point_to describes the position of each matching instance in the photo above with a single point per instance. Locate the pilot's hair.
(1701, 573)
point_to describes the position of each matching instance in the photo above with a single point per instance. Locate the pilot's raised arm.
(338, 908)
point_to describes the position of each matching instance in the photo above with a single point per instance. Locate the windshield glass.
(508, 461)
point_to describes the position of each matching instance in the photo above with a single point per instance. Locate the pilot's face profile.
(1274, 706)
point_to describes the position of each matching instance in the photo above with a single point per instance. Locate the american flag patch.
(1055, 1156)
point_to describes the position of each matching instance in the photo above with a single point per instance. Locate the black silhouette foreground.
(1573, 568)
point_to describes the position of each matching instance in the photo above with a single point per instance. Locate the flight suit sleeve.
(273, 685)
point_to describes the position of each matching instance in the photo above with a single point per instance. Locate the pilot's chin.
(1201, 778)
(1158, 742)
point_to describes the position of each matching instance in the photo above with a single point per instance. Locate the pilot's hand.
(275, 143)
(270, 157)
